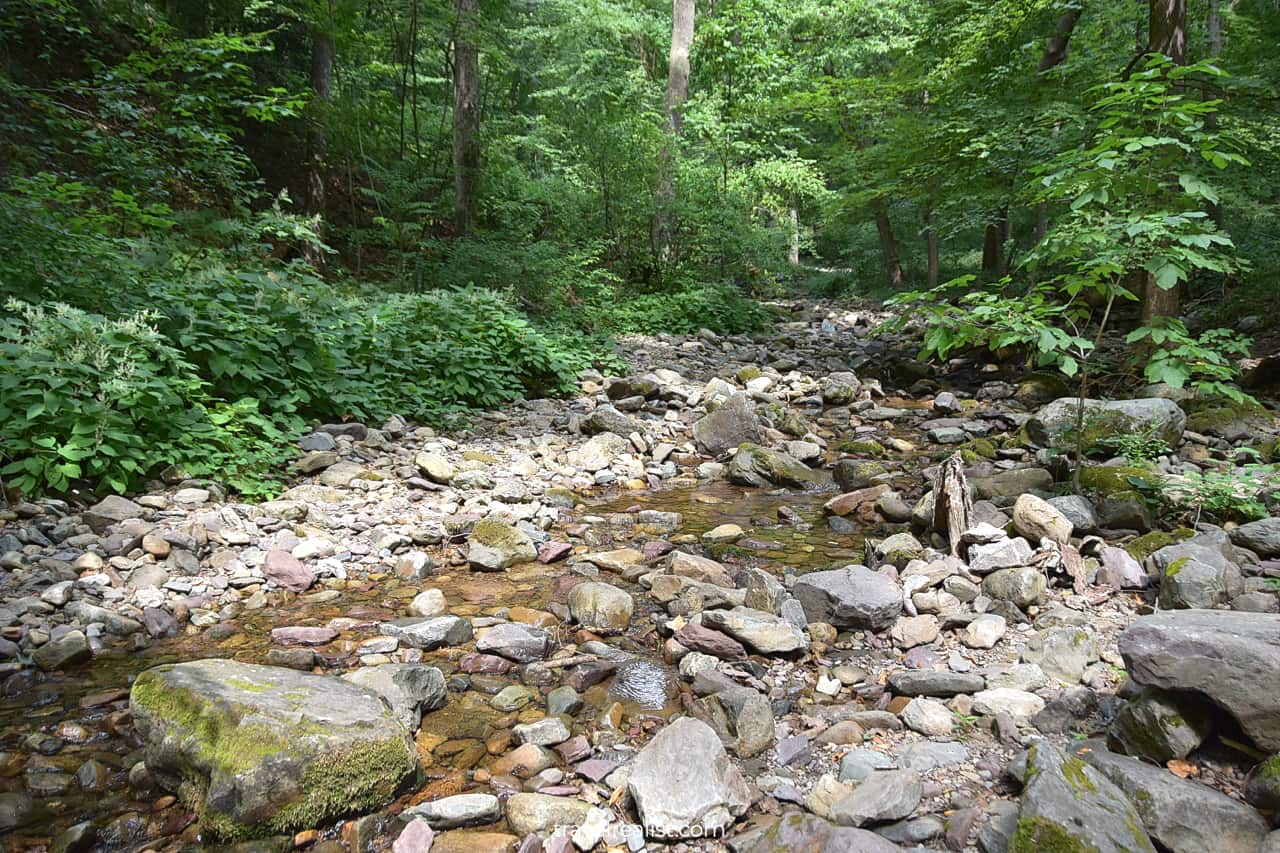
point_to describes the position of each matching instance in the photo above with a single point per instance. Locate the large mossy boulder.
(758, 466)
(496, 545)
(1070, 807)
(1054, 424)
(258, 750)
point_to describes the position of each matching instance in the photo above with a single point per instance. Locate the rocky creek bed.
(707, 605)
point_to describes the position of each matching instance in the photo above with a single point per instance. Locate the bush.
(720, 308)
(88, 398)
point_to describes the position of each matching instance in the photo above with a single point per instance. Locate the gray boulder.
(264, 750)
(887, 795)
(741, 716)
(1068, 805)
(495, 545)
(608, 419)
(1160, 726)
(852, 597)
(1180, 815)
(409, 688)
(1231, 657)
(682, 782)
(515, 641)
(735, 422)
(1038, 519)
(1188, 583)
(601, 606)
(429, 634)
(1053, 425)
(753, 465)
(764, 632)
(1261, 537)
(801, 831)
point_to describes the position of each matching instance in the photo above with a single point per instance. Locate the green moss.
(1217, 418)
(1269, 769)
(495, 534)
(479, 456)
(247, 686)
(1073, 770)
(218, 743)
(1040, 835)
(1144, 546)
(868, 447)
(746, 374)
(1176, 566)
(1111, 480)
(983, 447)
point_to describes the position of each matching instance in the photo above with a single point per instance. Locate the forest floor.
(581, 574)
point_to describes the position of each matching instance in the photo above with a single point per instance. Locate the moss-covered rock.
(1111, 480)
(1227, 419)
(258, 750)
(983, 448)
(1054, 425)
(1069, 807)
(496, 545)
(862, 447)
(754, 465)
(1144, 546)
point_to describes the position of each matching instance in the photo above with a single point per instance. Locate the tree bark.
(994, 262)
(1167, 28)
(322, 58)
(1055, 52)
(1167, 34)
(793, 237)
(466, 115)
(682, 17)
(931, 244)
(888, 244)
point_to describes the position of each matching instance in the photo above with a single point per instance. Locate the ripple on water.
(644, 683)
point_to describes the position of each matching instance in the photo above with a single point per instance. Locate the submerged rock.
(260, 750)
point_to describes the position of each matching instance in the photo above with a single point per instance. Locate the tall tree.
(322, 59)
(682, 15)
(1167, 34)
(466, 113)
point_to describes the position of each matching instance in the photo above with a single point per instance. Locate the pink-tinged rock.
(554, 551)
(298, 635)
(417, 837)
(595, 769)
(478, 664)
(287, 571)
(711, 642)
(655, 548)
(849, 501)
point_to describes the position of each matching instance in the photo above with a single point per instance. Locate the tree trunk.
(322, 57)
(1055, 52)
(793, 237)
(994, 263)
(682, 15)
(931, 244)
(888, 244)
(1167, 29)
(466, 115)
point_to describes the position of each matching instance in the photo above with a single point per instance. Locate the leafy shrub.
(87, 398)
(1236, 494)
(720, 308)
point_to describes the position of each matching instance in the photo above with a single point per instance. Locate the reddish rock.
(710, 642)
(287, 571)
(473, 664)
(554, 551)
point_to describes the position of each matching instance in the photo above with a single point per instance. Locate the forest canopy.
(221, 219)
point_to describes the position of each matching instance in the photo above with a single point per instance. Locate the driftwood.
(1053, 558)
(952, 502)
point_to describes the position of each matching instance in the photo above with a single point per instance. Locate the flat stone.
(887, 795)
(458, 810)
(683, 782)
(429, 634)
